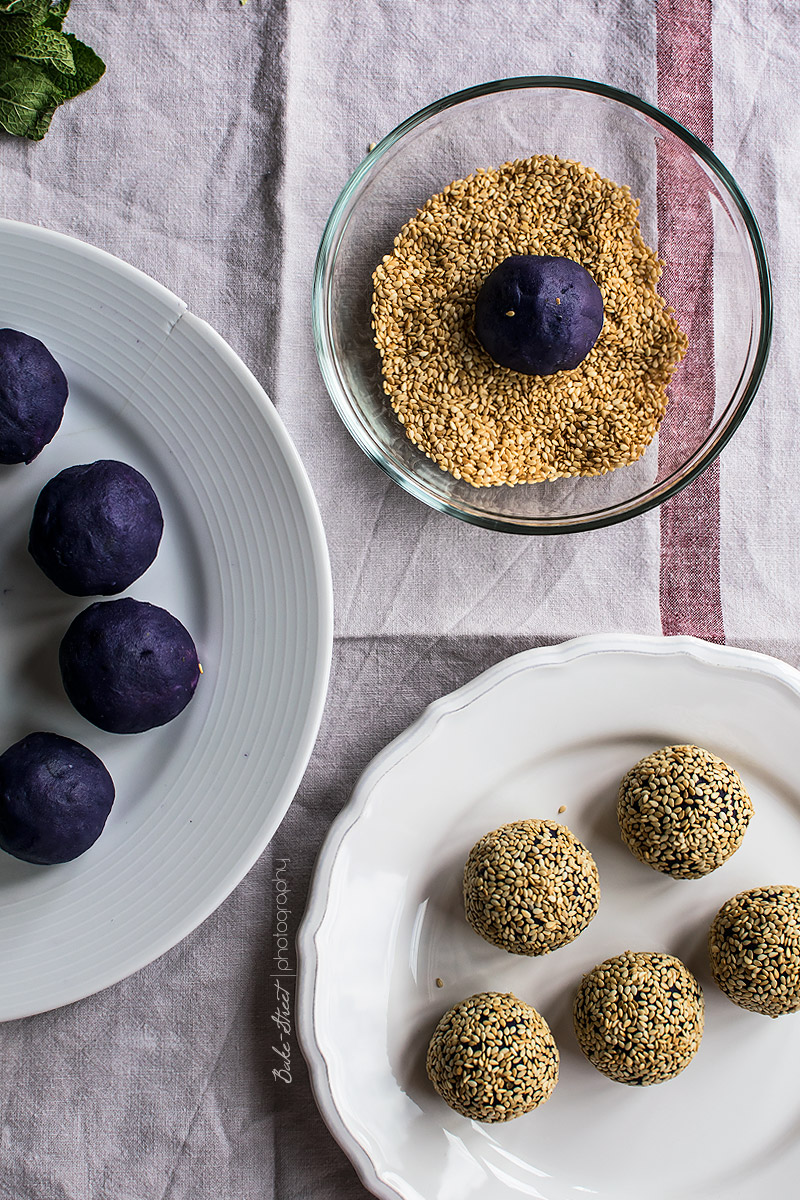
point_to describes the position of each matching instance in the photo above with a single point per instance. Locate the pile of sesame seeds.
(754, 947)
(639, 1017)
(493, 1057)
(490, 425)
(530, 887)
(683, 811)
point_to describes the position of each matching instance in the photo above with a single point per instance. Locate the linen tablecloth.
(209, 156)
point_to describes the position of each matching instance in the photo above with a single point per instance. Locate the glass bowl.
(716, 278)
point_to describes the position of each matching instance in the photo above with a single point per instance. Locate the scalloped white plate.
(243, 563)
(546, 728)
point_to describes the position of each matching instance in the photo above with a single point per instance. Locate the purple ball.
(55, 796)
(128, 666)
(96, 528)
(538, 314)
(33, 392)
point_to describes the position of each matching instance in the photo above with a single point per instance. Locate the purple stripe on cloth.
(690, 526)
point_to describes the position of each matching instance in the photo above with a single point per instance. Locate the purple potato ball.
(96, 528)
(33, 392)
(128, 666)
(538, 314)
(55, 796)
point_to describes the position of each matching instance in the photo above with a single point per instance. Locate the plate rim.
(319, 572)
(560, 653)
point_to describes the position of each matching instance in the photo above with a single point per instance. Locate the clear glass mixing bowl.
(626, 140)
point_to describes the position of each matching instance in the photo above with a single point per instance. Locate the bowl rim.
(337, 223)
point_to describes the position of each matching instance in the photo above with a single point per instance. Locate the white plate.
(243, 564)
(385, 919)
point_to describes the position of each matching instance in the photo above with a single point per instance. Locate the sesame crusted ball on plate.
(530, 887)
(683, 811)
(639, 1017)
(754, 947)
(492, 1057)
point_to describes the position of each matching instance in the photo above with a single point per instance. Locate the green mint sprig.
(40, 65)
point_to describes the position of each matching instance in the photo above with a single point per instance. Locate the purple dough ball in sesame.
(96, 528)
(33, 392)
(128, 666)
(55, 796)
(538, 314)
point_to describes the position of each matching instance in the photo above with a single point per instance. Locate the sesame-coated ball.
(530, 887)
(754, 947)
(683, 811)
(492, 1057)
(639, 1017)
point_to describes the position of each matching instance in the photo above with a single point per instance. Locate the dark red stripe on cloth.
(690, 531)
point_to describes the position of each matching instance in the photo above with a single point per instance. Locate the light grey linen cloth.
(210, 156)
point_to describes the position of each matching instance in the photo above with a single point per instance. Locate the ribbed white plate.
(551, 727)
(243, 564)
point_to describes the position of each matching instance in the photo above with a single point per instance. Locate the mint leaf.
(40, 66)
(28, 98)
(88, 69)
(36, 9)
(55, 16)
(42, 123)
(14, 28)
(41, 45)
